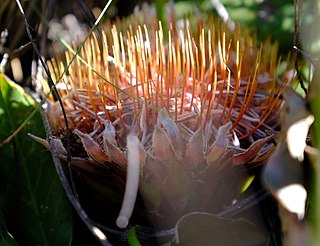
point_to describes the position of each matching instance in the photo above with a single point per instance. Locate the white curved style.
(132, 182)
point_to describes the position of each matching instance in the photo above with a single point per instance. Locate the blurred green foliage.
(267, 18)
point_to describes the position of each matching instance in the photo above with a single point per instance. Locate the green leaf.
(206, 229)
(6, 238)
(32, 199)
(247, 182)
(133, 238)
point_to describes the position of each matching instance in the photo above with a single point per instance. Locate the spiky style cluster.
(185, 95)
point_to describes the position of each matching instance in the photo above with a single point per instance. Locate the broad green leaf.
(206, 229)
(32, 199)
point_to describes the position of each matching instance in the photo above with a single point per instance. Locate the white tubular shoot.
(132, 183)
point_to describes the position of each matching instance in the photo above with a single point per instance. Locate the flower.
(174, 119)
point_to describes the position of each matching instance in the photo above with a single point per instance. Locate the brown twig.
(297, 15)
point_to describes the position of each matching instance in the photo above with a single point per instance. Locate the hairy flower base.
(188, 112)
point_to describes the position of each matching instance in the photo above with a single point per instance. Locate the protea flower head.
(168, 115)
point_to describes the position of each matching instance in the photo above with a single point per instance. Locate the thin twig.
(55, 91)
(305, 55)
(69, 191)
(95, 231)
(297, 15)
